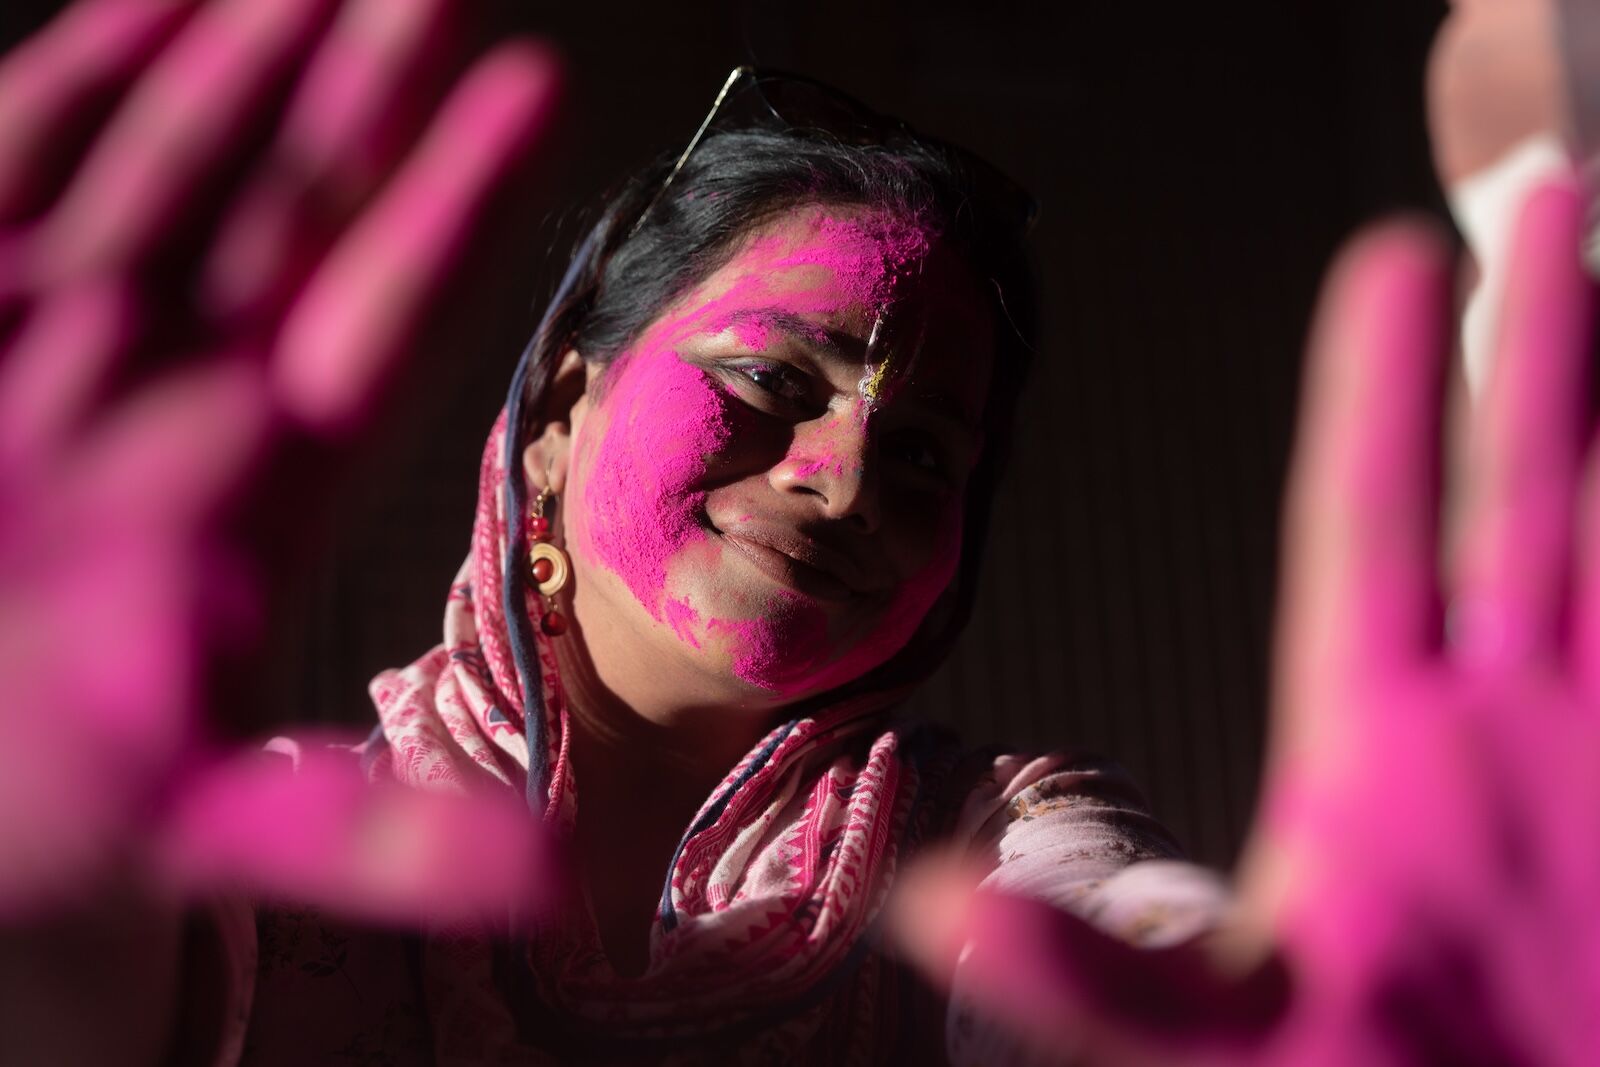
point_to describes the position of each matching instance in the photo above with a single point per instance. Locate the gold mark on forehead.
(871, 386)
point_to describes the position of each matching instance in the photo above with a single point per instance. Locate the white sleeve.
(1073, 831)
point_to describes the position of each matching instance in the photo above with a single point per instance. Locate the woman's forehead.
(849, 272)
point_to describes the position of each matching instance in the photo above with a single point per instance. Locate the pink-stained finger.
(1514, 562)
(1359, 595)
(312, 829)
(51, 81)
(55, 366)
(1058, 982)
(184, 121)
(929, 914)
(349, 120)
(1584, 650)
(110, 591)
(97, 657)
(176, 454)
(353, 323)
(350, 106)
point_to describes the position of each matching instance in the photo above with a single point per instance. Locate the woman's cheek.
(664, 419)
(914, 598)
(645, 450)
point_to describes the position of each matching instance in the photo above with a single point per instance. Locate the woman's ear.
(545, 459)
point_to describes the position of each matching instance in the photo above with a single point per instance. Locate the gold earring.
(548, 565)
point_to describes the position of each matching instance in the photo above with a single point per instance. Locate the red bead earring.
(548, 565)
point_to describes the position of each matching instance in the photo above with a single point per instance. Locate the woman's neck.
(679, 745)
(641, 776)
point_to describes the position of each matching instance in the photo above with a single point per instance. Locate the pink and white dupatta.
(767, 900)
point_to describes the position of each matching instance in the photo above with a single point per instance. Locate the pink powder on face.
(780, 650)
(683, 619)
(667, 419)
(792, 650)
(863, 255)
(831, 463)
(754, 327)
(753, 333)
(911, 603)
(868, 253)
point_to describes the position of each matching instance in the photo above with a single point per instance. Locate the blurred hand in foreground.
(221, 228)
(1420, 883)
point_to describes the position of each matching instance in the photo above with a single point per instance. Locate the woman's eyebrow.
(836, 344)
(944, 407)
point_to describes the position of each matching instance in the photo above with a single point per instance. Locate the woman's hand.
(221, 227)
(1420, 883)
(1427, 846)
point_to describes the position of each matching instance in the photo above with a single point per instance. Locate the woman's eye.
(780, 380)
(918, 450)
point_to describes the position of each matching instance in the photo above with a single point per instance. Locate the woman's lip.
(786, 570)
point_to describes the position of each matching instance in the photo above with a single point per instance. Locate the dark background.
(1197, 171)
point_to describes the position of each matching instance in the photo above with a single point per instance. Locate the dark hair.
(619, 282)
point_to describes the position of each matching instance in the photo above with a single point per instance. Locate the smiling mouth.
(788, 571)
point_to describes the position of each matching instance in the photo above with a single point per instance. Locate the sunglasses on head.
(761, 98)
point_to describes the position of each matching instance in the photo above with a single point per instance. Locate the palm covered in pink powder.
(145, 407)
(1424, 866)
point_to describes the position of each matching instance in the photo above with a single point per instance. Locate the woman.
(754, 577)
(772, 399)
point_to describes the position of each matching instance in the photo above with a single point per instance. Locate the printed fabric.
(763, 949)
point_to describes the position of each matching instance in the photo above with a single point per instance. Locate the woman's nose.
(831, 459)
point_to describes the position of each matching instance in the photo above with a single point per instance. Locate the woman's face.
(755, 493)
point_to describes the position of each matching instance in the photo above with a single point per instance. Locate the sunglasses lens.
(1003, 198)
(800, 104)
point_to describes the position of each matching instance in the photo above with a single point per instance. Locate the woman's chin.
(771, 645)
(793, 651)
(739, 638)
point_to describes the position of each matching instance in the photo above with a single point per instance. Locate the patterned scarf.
(769, 897)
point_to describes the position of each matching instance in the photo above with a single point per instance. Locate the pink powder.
(754, 327)
(641, 510)
(668, 420)
(869, 253)
(683, 619)
(864, 255)
(791, 649)
(753, 333)
(782, 649)
(812, 466)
